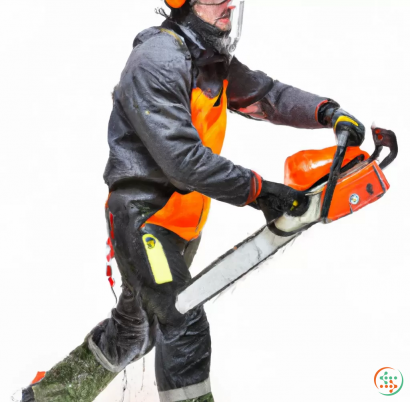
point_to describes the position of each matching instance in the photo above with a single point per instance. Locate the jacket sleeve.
(155, 92)
(266, 99)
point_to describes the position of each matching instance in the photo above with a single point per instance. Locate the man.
(166, 133)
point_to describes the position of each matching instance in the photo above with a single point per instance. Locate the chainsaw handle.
(384, 138)
(342, 140)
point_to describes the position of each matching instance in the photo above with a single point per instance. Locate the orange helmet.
(180, 3)
(176, 3)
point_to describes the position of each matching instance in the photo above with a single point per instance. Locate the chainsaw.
(338, 181)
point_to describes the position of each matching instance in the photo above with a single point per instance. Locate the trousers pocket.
(157, 259)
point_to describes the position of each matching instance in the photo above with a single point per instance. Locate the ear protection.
(176, 3)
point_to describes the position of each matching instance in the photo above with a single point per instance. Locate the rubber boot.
(78, 378)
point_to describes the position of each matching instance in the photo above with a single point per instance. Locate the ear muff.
(176, 3)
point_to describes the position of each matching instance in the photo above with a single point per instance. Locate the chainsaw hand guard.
(384, 138)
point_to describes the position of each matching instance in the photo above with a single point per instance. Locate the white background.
(315, 322)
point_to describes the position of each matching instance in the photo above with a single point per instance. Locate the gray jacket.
(154, 146)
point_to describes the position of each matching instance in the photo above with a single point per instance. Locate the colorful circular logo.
(151, 242)
(354, 199)
(388, 381)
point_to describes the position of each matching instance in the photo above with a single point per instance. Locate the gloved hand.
(341, 121)
(330, 115)
(276, 199)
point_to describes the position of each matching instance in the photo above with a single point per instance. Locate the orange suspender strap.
(256, 188)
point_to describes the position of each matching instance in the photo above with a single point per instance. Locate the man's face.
(215, 12)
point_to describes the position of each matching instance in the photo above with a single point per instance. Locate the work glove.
(332, 116)
(343, 121)
(276, 199)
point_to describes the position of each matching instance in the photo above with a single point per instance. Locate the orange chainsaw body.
(362, 185)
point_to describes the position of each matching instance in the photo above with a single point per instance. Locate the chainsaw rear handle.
(384, 138)
(342, 140)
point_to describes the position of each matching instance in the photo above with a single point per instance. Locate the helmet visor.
(226, 15)
(217, 13)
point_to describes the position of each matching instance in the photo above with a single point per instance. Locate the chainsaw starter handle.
(384, 138)
(342, 139)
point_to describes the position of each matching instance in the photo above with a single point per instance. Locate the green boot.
(78, 378)
(204, 398)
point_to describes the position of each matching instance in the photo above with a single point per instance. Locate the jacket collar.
(201, 52)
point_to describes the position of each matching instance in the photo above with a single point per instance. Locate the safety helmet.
(176, 3)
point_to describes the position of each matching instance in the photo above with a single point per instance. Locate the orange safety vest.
(186, 215)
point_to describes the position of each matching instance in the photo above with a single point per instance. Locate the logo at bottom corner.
(388, 381)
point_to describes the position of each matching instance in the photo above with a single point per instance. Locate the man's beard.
(213, 36)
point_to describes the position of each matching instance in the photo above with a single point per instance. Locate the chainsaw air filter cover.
(306, 168)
